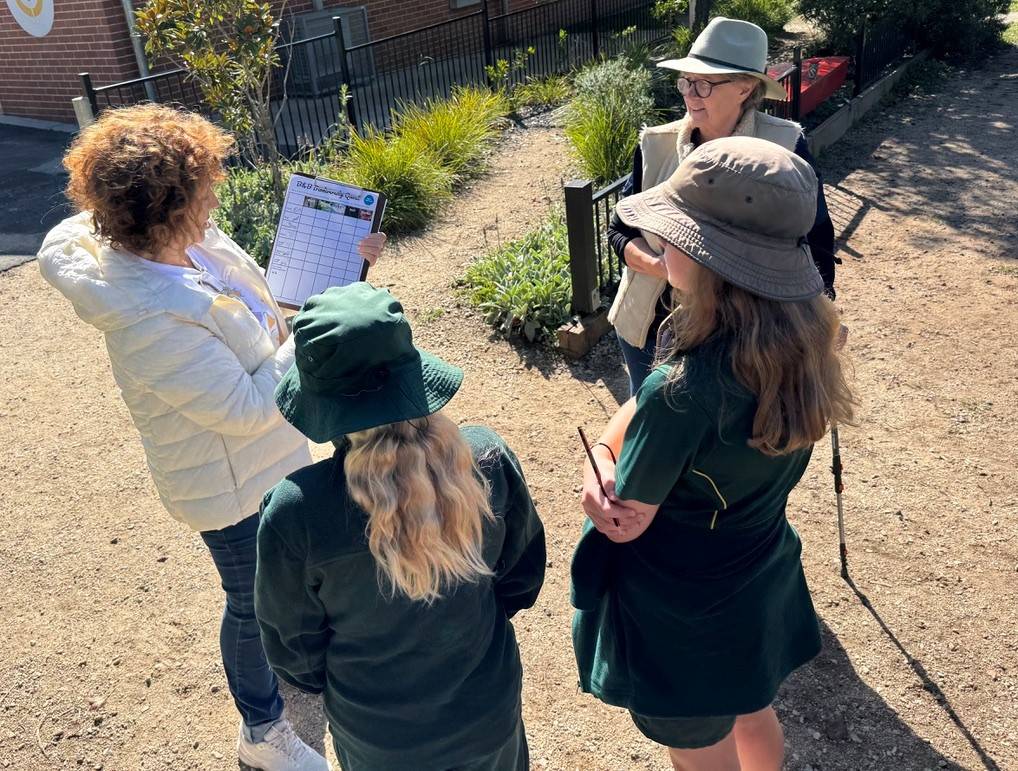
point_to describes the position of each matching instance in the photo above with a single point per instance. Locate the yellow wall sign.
(34, 16)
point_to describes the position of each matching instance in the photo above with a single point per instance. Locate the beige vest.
(664, 148)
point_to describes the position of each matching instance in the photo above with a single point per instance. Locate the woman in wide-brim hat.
(692, 603)
(723, 80)
(388, 573)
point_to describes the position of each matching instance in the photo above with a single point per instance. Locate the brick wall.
(391, 17)
(39, 76)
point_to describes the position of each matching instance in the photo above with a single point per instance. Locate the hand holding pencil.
(598, 498)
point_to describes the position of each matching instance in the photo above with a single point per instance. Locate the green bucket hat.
(356, 366)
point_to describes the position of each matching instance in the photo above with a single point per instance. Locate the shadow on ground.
(945, 190)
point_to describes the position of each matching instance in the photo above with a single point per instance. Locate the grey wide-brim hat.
(741, 207)
(356, 366)
(729, 46)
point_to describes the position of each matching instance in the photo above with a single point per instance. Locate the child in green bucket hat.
(388, 573)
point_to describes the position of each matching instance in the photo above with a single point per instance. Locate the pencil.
(597, 472)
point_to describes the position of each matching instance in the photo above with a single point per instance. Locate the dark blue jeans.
(638, 360)
(253, 685)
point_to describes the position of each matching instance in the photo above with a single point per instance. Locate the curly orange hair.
(139, 169)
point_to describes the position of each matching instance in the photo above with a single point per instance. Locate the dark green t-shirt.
(708, 610)
(406, 684)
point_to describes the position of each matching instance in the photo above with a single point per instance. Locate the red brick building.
(44, 44)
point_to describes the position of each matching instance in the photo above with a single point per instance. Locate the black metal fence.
(413, 67)
(877, 45)
(552, 38)
(593, 265)
(305, 88)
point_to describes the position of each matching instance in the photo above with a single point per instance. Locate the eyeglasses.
(702, 88)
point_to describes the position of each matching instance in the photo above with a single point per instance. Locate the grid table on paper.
(316, 247)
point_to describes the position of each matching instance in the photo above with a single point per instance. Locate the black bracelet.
(609, 449)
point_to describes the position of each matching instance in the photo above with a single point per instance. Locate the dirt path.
(111, 608)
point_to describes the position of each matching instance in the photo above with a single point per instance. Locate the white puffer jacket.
(197, 372)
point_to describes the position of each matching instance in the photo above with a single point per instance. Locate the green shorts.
(684, 733)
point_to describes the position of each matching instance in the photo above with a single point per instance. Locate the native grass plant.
(457, 131)
(228, 48)
(429, 150)
(414, 182)
(523, 287)
(542, 92)
(612, 102)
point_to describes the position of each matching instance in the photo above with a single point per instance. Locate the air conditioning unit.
(315, 67)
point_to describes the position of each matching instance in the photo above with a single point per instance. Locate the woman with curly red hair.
(197, 345)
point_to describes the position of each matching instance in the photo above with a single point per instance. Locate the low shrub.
(771, 15)
(415, 184)
(1010, 35)
(523, 287)
(457, 131)
(612, 102)
(248, 212)
(967, 29)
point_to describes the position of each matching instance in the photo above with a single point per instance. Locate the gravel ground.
(112, 609)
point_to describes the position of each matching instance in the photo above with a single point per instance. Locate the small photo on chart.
(320, 226)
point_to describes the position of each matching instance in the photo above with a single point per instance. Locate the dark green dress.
(708, 610)
(406, 685)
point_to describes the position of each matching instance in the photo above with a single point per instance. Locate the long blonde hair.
(785, 353)
(426, 502)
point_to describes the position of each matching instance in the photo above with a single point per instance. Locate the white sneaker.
(281, 750)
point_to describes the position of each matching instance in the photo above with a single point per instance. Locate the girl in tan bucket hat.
(723, 81)
(692, 605)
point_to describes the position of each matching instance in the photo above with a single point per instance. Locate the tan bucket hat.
(729, 46)
(741, 207)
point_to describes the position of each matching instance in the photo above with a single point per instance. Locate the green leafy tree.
(228, 47)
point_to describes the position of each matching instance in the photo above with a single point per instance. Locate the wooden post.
(796, 84)
(86, 86)
(489, 53)
(344, 72)
(699, 13)
(860, 59)
(595, 35)
(582, 257)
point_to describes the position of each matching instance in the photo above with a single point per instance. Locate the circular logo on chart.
(34, 16)
(369, 199)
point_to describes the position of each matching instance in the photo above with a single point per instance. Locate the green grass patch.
(523, 287)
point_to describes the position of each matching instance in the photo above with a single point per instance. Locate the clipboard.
(320, 224)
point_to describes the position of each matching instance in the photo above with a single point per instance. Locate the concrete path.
(31, 190)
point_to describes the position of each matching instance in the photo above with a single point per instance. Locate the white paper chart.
(316, 242)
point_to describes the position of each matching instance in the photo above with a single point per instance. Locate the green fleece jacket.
(405, 684)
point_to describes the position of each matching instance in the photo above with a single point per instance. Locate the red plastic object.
(821, 77)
